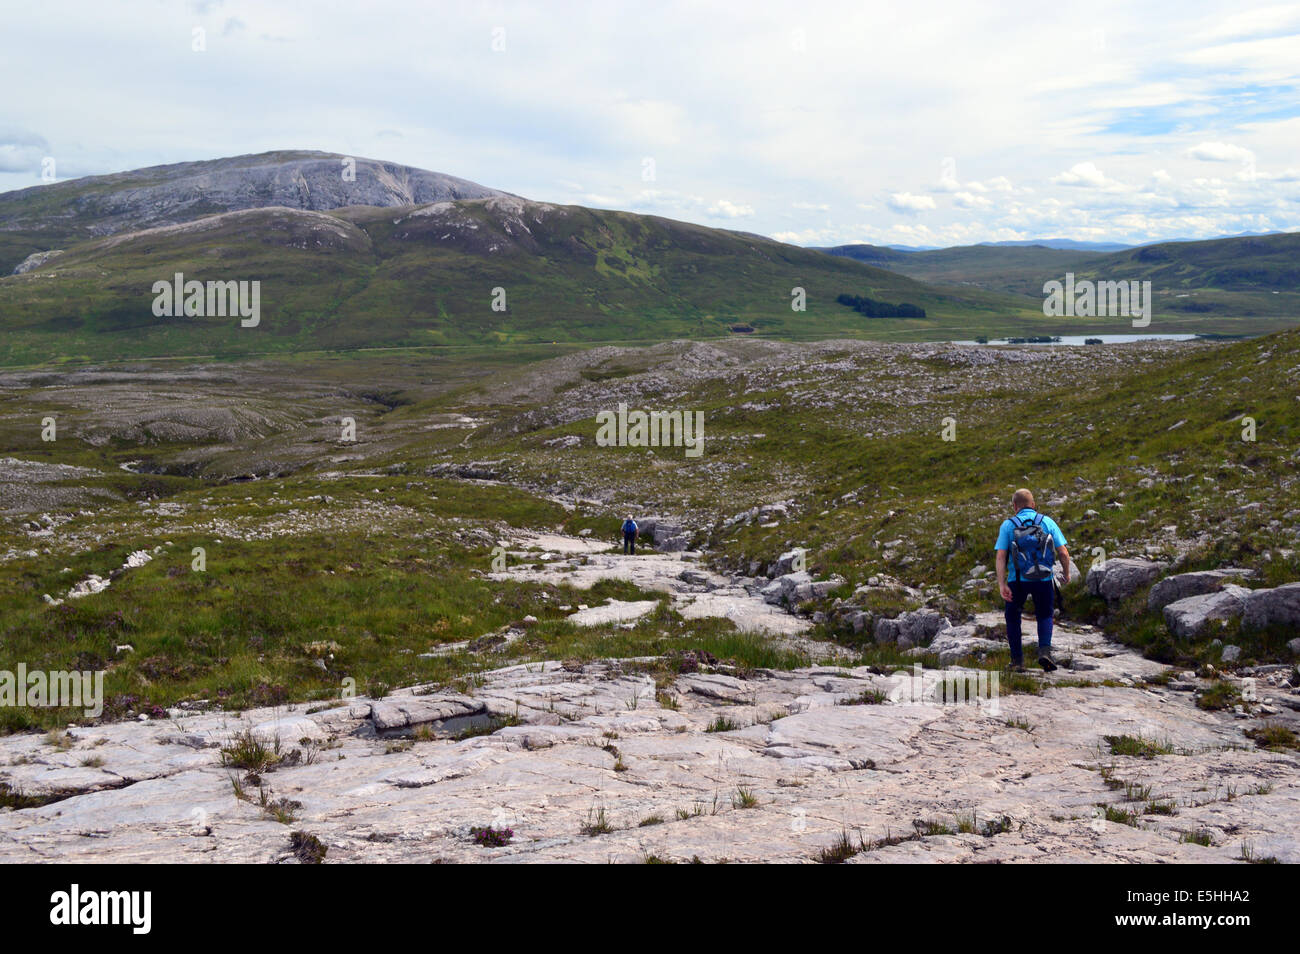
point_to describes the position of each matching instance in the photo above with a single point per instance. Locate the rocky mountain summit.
(182, 192)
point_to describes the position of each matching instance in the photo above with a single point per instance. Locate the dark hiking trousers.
(629, 542)
(1041, 591)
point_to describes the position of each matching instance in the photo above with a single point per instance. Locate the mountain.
(425, 275)
(51, 216)
(402, 257)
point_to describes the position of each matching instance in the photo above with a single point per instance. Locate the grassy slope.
(570, 274)
(384, 589)
(292, 618)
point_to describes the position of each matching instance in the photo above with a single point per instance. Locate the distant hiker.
(630, 532)
(1034, 542)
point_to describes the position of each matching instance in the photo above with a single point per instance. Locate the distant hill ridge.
(1247, 275)
(403, 257)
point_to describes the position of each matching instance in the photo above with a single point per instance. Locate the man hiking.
(630, 532)
(1028, 546)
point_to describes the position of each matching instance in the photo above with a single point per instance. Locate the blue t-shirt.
(1004, 536)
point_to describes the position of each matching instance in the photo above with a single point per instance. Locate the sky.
(918, 123)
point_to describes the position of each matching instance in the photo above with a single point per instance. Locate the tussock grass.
(1220, 695)
(1137, 746)
(1274, 737)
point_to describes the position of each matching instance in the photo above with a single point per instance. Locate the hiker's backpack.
(1032, 549)
(629, 526)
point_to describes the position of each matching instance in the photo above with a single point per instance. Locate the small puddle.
(456, 727)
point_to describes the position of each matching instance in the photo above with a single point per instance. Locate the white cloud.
(1085, 175)
(730, 210)
(1220, 152)
(967, 200)
(573, 104)
(907, 202)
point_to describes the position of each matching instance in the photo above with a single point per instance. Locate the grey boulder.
(782, 588)
(785, 562)
(668, 537)
(1182, 585)
(1280, 605)
(1115, 579)
(957, 642)
(798, 587)
(1189, 617)
(911, 629)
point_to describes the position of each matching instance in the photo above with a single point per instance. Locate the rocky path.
(604, 763)
(620, 761)
(695, 591)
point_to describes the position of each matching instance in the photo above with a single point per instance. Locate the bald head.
(1023, 498)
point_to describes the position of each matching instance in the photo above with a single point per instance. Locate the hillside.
(1018, 270)
(424, 275)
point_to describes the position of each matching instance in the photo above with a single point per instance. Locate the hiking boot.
(1045, 660)
(1014, 666)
